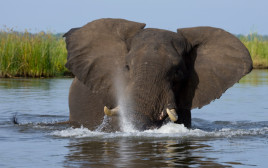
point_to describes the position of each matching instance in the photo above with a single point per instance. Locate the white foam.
(168, 130)
(77, 132)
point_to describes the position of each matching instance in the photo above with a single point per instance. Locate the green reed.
(258, 48)
(31, 55)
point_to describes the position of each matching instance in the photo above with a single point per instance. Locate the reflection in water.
(24, 96)
(135, 154)
(25, 83)
(256, 78)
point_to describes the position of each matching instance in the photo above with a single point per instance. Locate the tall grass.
(258, 48)
(31, 55)
(44, 54)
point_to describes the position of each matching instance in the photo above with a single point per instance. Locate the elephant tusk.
(111, 112)
(172, 114)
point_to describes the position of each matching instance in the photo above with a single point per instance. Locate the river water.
(230, 132)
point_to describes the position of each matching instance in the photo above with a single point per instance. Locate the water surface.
(230, 132)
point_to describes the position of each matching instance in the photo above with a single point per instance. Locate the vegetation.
(258, 48)
(31, 55)
(44, 54)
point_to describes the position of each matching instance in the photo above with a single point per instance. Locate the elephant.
(151, 75)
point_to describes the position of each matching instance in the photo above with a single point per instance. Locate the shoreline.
(70, 75)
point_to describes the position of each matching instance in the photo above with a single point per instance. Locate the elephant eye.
(127, 67)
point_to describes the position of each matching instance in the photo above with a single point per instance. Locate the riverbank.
(258, 48)
(32, 55)
(44, 54)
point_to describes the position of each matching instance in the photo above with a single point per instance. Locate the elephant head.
(165, 74)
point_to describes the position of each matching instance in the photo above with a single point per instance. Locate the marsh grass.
(44, 54)
(258, 48)
(31, 55)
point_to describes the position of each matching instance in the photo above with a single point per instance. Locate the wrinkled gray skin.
(160, 69)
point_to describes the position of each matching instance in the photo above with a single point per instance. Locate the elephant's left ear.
(216, 62)
(97, 50)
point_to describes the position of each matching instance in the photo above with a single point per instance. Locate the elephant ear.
(98, 49)
(217, 61)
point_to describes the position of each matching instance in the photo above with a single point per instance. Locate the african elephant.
(157, 74)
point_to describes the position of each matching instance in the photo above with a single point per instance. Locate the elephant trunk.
(154, 101)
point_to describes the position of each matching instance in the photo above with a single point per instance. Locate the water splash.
(104, 123)
(170, 130)
(124, 102)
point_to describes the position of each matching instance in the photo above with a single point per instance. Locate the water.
(122, 99)
(230, 132)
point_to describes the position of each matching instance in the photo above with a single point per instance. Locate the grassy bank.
(31, 55)
(44, 54)
(258, 48)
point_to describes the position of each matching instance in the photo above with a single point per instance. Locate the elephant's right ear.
(216, 62)
(98, 49)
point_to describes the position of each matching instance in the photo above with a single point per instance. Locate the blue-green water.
(230, 132)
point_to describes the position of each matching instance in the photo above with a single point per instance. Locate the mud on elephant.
(164, 74)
